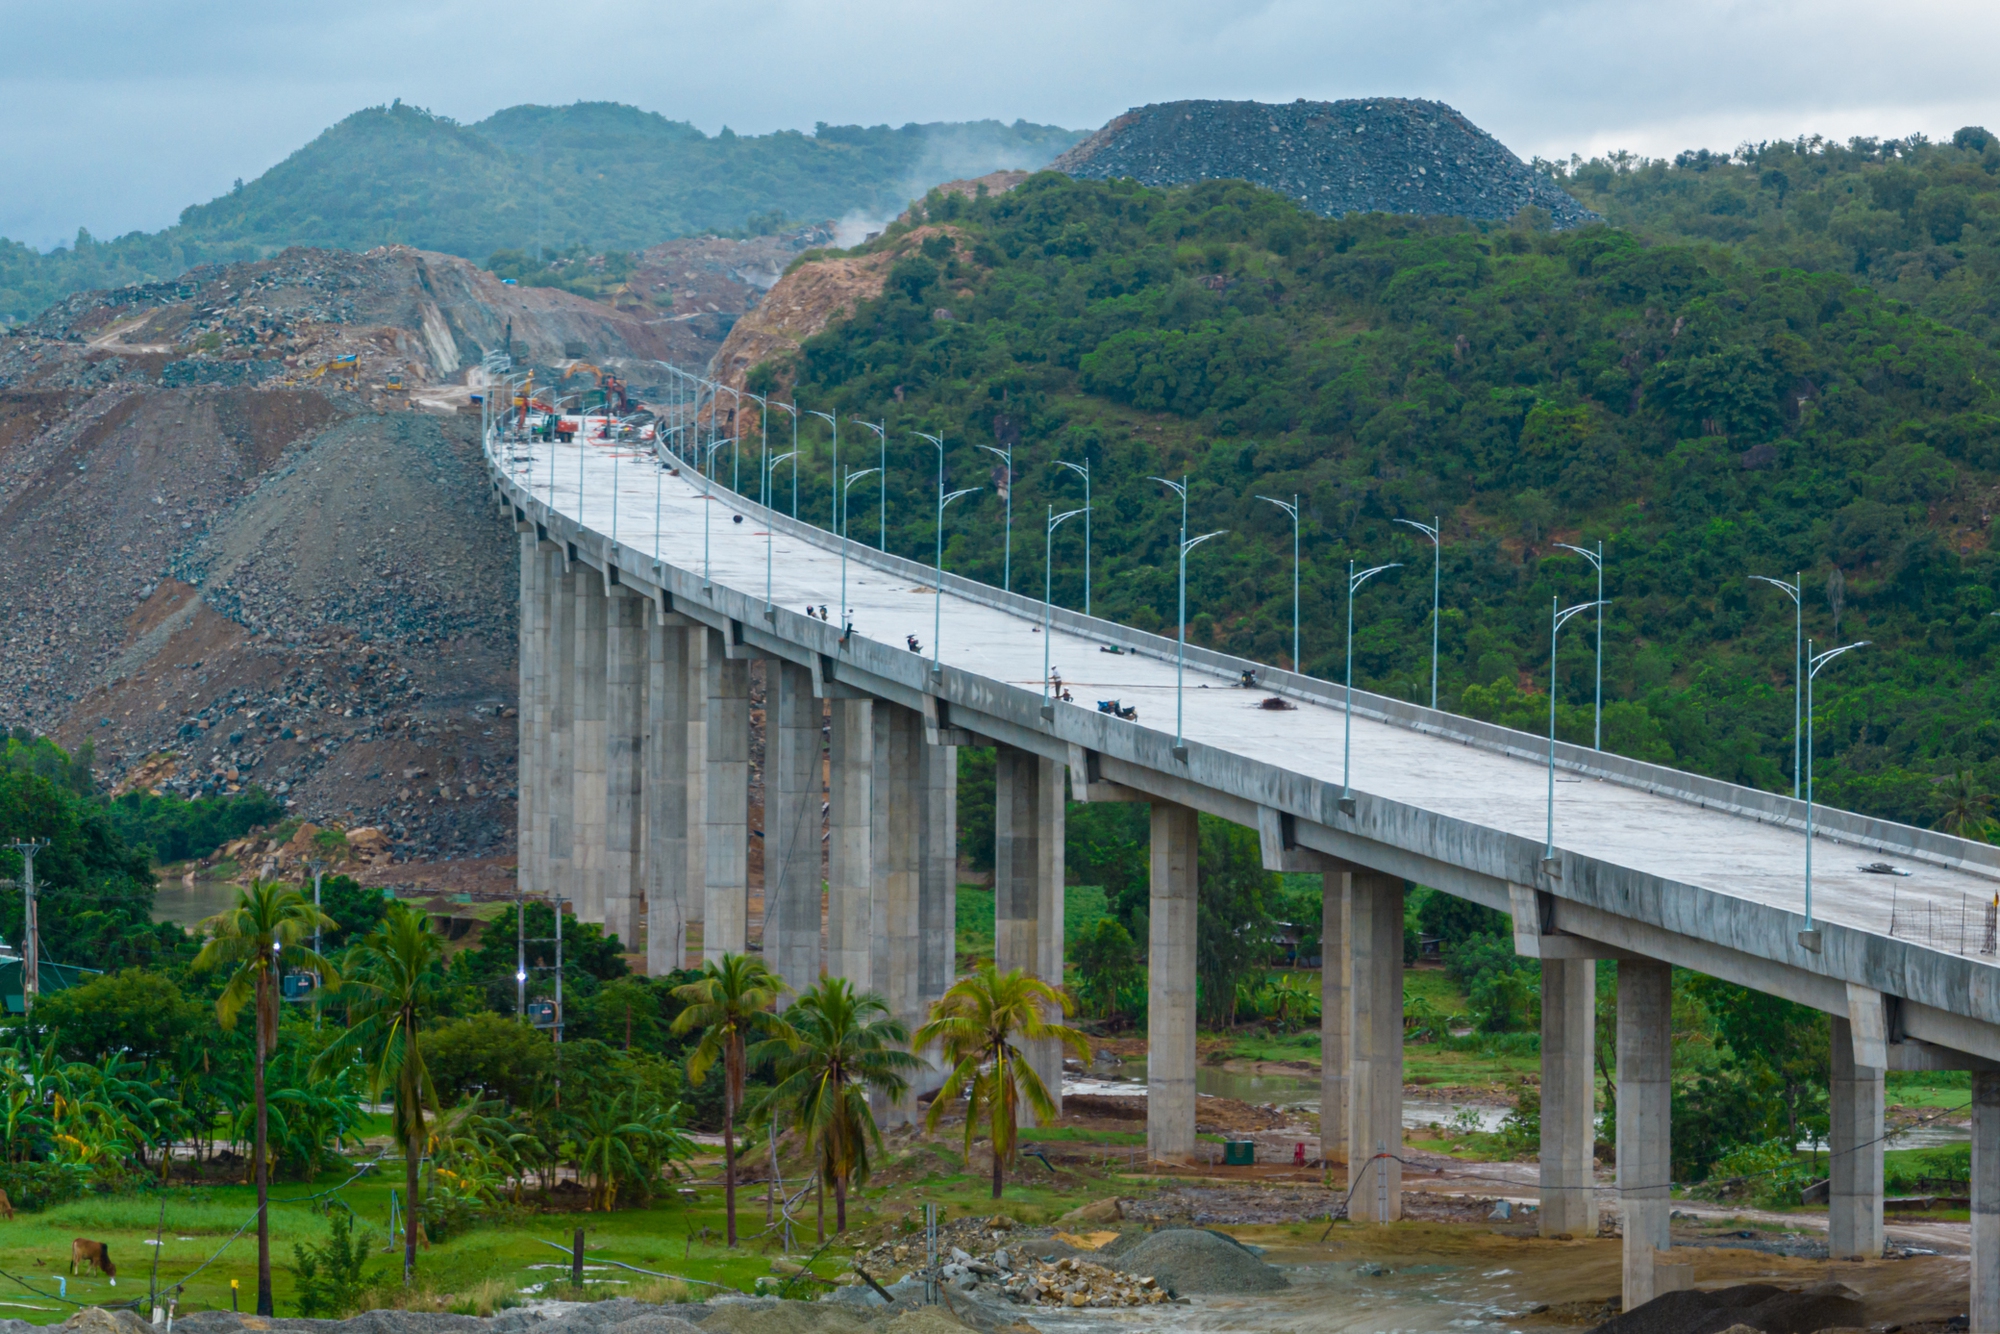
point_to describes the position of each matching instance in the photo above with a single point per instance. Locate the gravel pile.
(1362, 155)
(1076, 1282)
(1760, 1306)
(1188, 1260)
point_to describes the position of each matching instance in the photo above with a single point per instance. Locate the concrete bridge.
(647, 592)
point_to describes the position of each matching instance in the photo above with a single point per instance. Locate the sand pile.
(1758, 1306)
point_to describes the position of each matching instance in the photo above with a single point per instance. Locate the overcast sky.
(118, 113)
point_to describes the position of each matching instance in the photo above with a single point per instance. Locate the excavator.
(351, 363)
(614, 389)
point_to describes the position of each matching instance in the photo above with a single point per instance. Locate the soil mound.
(1188, 1260)
(1361, 155)
(1759, 1306)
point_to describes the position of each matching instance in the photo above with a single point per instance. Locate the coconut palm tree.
(394, 981)
(976, 1025)
(840, 1045)
(257, 939)
(729, 1003)
(1965, 808)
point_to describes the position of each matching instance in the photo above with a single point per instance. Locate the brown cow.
(95, 1254)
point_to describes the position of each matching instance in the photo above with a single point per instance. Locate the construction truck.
(351, 363)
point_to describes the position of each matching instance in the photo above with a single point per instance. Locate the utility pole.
(521, 956)
(318, 870)
(31, 934)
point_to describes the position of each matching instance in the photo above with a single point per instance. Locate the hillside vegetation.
(1705, 415)
(598, 175)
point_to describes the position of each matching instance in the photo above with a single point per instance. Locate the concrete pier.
(1027, 883)
(559, 587)
(1853, 1152)
(851, 799)
(673, 879)
(1985, 1306)
(1569, 1101)
(1375, 1063)
(625, 672)
(726, 794)
(937, 888)
(895, 873)
(792, 800)
(1336, 973)
(527, 716)
(1170, 1017)
(1645, 1119)
(588, 853)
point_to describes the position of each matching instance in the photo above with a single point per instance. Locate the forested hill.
(1706, 416)
(600, 175)
(1916, 220)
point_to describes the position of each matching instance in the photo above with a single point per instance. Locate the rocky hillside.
(1361, 155)
(222, 567)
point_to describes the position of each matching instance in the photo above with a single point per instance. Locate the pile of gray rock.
(1361, 155)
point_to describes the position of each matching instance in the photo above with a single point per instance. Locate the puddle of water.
(187, 905)
(1127, 1079)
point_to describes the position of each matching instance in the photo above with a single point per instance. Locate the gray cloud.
(120, 113)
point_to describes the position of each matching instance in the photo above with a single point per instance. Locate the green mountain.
(600, 175)
(1706, 415)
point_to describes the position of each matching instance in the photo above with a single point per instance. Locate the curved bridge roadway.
(1652, 866)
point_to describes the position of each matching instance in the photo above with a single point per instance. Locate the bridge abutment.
(1375, 1063)
(1569, 1097)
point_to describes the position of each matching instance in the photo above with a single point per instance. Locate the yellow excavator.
(613, 387)
(351, 363)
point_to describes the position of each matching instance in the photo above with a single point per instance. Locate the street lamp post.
(1557, 619)
(1791, 591)
(1354, 582)
(834, 422)
(882, 519)
(1186, 545)
(1292, 509)
(708, 504)
(1809, 937)
(1596, 559)
(770, 466)
(793, 409)
(1434, 530)
(1048, 592)
(1006, 456)
(937, 603)
(1082, 470)
(846, 627)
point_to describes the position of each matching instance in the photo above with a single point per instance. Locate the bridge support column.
(851, 802)
(1569, 1035)
(559, 746)
(527, 717)
(896, 861)
(1170, 1033)
(588, 853)
(1335, 981)
(1375, 1093)
(1985, 1310)
(726, 797)
(673, 879)
(792, 788)
(624, 765)
(1853, 1153)
(937, 909)
(1645, 1119)
(1027, 883)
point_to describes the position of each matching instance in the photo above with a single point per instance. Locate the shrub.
(330, 1281)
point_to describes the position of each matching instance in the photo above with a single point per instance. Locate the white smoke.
(857, 226)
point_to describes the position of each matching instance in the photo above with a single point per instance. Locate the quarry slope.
(1359, 155)
(223, 562)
